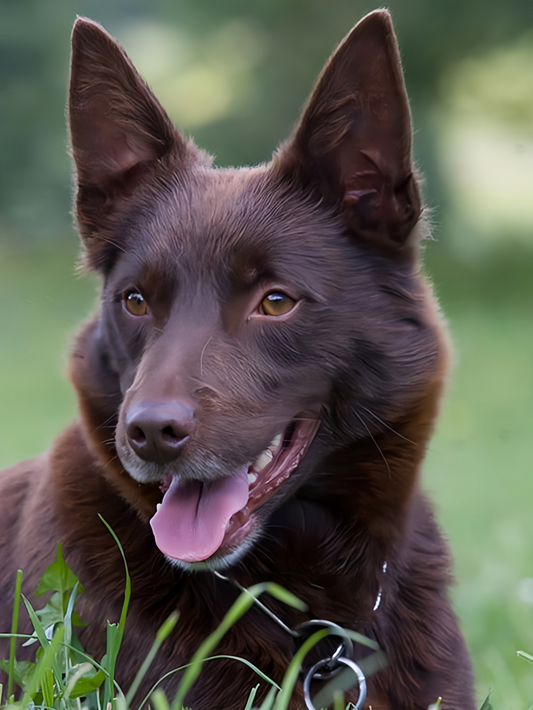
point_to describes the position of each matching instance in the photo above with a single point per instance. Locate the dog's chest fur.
(266, 348)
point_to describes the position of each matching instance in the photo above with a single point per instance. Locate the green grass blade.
(47, 687)
(36, 623)
(166, 628)
(338, 701)
(260, 673)
(120, 702)
(114, 638)
(486, 703)
(525, 656)
(154, 687)
(67, 620)
(275, 590)
(46, 661)
(363, 640)
(19, 636)
(14, 629)
(45, 643)
(268, 702)
(251, 698)
(248, 663)
(101, 668)
(291, 676)
(239, 607)
(160, 701)
(109, 662)
(127, 590)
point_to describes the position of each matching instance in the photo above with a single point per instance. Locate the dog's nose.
(157, 431)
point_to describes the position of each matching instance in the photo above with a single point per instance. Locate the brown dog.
(267, 365)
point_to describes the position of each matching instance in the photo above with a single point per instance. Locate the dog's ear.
(117, 128)
(354, 137)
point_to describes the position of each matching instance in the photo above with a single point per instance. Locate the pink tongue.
(192, 519)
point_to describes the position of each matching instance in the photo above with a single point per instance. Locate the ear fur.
(117, 127)
(354, 137)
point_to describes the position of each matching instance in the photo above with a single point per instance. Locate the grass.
(478, 468)
(43, 302)
(64, 677)
(479, 472)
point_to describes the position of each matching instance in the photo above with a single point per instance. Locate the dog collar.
(328, 667)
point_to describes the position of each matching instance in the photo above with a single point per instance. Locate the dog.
(256, 391)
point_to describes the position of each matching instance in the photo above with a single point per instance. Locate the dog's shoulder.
(29, 504)
(23, 512)
(20, 488)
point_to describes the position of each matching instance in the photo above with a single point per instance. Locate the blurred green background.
(235, 74)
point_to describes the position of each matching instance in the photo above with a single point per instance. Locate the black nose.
(157, 431)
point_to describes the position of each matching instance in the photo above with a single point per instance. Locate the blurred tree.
(288, 41)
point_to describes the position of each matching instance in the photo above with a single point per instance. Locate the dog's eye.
(135, 303)
(277, 304)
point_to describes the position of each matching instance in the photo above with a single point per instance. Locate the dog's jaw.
(217, 562)
(209, 525)
(286, 459)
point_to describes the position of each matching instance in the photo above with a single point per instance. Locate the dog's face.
(254, 322)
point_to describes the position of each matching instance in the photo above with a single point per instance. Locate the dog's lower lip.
(264, 479)
(298, 436)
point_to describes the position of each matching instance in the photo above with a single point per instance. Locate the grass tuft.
(64, 677)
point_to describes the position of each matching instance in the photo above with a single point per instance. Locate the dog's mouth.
(198, 519)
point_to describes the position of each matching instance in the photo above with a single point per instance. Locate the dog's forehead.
(245, 208)
(244, 220)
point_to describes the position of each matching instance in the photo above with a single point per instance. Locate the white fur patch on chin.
(215, 563)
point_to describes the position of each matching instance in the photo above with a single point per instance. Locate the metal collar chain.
(341, 661)
(327, 667)
(378, 598)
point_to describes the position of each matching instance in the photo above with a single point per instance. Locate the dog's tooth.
(262, 460)
(158, 506)
(252, 478)
(276, 441)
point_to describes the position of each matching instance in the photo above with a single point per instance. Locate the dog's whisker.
(106, 422)
(111, 460)
(202, 357)
(384, 423)
(374, 440)
(115, 244)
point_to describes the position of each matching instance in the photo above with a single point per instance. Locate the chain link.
(328, 667)
(314, 671)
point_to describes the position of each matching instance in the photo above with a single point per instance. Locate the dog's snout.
(157, 431)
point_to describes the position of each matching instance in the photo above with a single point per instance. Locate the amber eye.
(135, 303)
(277, 304)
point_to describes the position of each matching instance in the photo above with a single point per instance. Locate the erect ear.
(117, 126)
(354, 138)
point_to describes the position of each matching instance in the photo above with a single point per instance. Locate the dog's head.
(259, 325)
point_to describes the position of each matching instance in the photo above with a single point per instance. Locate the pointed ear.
(117, 126)
(354, 138)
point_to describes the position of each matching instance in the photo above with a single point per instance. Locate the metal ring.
(338, 653)
(345, 662)
(344, 649)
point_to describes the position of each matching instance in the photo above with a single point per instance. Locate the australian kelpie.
(256, 391)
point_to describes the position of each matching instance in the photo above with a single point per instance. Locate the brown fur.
(335, 220)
